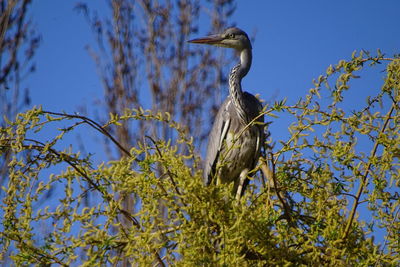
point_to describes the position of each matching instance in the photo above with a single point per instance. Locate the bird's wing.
(256, 110)
(215, 141)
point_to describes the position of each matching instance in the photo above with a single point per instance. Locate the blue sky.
(295, 41)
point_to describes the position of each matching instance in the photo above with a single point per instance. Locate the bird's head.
(230, 38)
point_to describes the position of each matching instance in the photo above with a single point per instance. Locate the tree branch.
(364, 179)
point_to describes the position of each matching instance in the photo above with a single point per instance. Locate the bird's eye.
(231, 35)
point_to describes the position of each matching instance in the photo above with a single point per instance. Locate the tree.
(144, 61)
(18, 43)
(305, 212)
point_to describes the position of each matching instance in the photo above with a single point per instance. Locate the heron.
(236, 137)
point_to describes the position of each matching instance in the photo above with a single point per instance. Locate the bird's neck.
(235, 85)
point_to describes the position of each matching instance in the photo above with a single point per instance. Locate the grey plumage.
(234, 143)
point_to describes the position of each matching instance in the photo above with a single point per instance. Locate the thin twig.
(94, 125)
(170, 175)
(396, 214)
(364, 179)
(271, 173)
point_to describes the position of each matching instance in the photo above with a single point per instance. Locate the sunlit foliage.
(327, 195)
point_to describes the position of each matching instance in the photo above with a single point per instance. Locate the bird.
(237, 134)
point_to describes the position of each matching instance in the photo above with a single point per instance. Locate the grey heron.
(236, 138)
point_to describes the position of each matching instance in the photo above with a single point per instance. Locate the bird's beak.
(211, 39)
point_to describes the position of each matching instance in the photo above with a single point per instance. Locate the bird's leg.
(242, 179)
(218, 176)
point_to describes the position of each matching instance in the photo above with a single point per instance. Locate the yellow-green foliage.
(305, 211)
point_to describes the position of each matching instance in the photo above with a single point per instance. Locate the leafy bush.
(327, 195)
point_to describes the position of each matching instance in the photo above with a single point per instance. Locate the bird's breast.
(239, 152)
